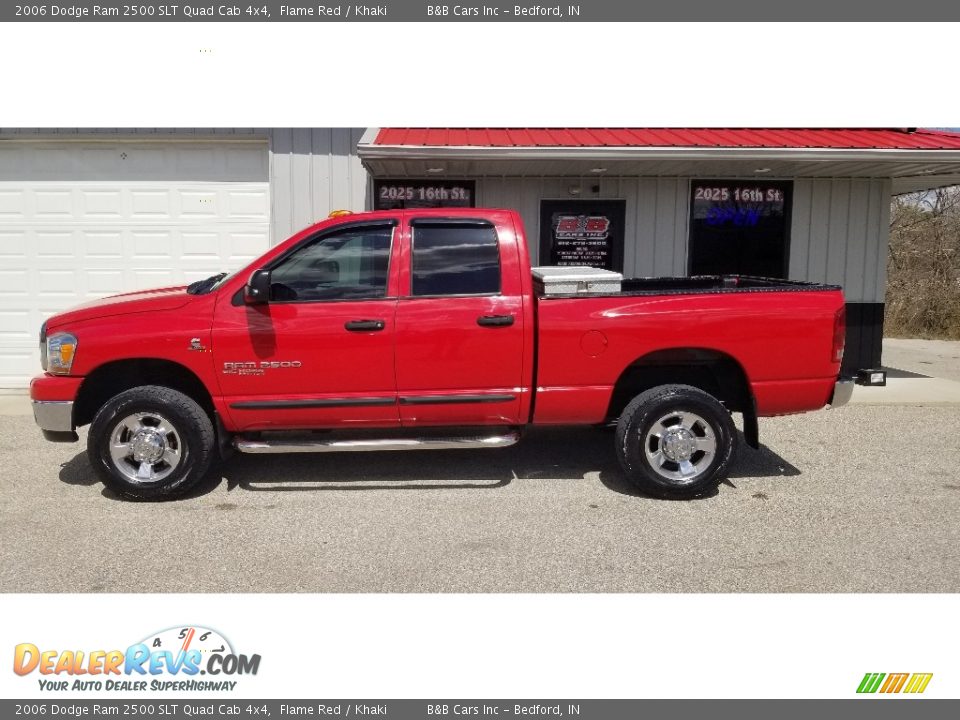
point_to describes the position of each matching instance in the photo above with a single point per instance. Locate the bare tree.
(923, 266)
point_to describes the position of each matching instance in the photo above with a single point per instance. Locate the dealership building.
(87, 213)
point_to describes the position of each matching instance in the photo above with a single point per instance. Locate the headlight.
(61, 349)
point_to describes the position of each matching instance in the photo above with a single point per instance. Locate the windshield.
(202, 287)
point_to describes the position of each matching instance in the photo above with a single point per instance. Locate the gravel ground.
(860, 499)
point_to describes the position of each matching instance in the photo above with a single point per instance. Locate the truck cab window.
(455, 260)
(350, 265)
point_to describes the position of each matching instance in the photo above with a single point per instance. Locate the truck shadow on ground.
(908, 374)
(555, 454)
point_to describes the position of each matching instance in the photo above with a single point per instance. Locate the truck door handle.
(495, 320)
(365, 325)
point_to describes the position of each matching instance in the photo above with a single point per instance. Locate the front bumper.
(55, 418)
(842, 391)
(53, 397)
(54, 415)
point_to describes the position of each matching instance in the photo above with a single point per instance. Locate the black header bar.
(478, 11)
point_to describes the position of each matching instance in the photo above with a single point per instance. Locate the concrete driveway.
(919, 372)
(927, 358)
(865, 498)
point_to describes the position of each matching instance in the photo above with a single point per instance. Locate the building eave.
(367, 150)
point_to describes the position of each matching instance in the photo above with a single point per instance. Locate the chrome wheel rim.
(680, 446)
(145, 447)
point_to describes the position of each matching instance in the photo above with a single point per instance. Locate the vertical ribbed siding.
(839, 234)
(656, 214)
(313, 172)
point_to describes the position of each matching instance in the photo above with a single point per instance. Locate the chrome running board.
(280, 445)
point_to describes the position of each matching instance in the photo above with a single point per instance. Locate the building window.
(399, 194)
(739, 227)
(455, 260)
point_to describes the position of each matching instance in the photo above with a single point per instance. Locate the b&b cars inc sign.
(581, 240)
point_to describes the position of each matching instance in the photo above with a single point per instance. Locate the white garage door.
(81, 220)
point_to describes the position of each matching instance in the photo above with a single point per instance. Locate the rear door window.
(455, 259)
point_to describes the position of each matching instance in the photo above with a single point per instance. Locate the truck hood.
(158, 300)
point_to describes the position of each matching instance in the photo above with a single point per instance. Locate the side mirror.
(257, 290)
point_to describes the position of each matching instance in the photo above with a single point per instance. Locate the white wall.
(656, 214)
(838, 234)
(314, 171)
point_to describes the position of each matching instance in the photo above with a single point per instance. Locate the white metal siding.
(839, 234)
(656, 214)
(313, 172)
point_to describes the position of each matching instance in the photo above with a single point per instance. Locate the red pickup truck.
(422, 329)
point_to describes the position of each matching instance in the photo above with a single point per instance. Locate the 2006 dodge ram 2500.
(421, 329)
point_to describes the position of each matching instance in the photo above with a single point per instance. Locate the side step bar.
(365, 445)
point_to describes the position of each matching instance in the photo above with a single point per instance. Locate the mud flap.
(751, 428)
(225, 447)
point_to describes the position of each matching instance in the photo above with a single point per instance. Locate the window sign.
(581, 240)
(739, 227)
(581, 232)
(398, 194)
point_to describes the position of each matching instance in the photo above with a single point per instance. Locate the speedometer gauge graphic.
(192, 637)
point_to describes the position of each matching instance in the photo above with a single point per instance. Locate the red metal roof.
(816, 138)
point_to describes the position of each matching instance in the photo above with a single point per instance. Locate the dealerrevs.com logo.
(172, 659)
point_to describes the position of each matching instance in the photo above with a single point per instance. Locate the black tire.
(192, 442)
(638, 450)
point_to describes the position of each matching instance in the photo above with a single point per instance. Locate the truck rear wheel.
(675, 441)
(151, 443)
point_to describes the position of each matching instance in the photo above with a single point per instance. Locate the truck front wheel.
(151, 443)
(675, 441)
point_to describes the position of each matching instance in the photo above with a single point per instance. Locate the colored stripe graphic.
(870, 682)
(894, 682)
(918, 682)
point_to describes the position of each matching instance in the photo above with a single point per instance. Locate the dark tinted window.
(739, 227)
(455, 260)
(350, 265)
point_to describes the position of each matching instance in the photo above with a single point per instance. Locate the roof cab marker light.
(340, 213)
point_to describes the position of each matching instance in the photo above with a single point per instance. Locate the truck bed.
(779, 333)
(700, 284)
